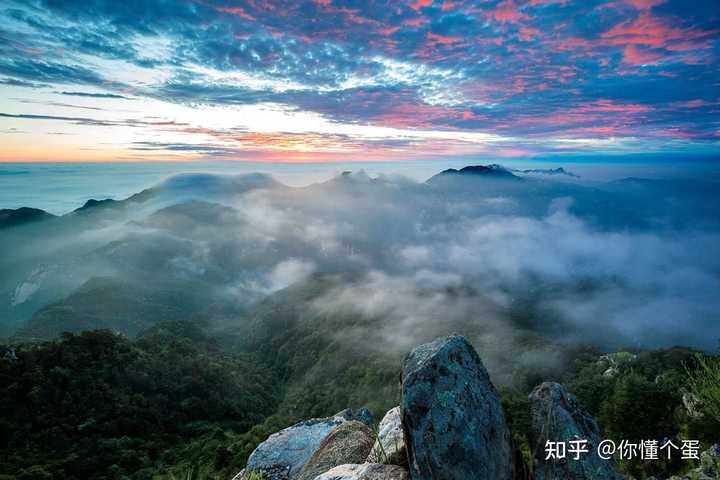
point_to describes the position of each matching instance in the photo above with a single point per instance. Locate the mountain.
(20, 216)
(96, 405)
(223, 243)
(110, 239)
(185, 396)
(548, 171)
(244, 305)
(102, 303)
(495, 172)
(92, 203)
(333, 356)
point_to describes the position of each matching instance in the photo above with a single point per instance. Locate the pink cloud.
(633, 55)
(697, 103)
(507, 11)
(528, 33)
(418, 4)
(536, 3)
(514, 152)
(414, 22)
(604, 105)
(443, 39)
(239, 11)
(450, 5)
(652, 31)
(644, 4)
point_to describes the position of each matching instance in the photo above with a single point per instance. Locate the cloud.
(616, 265)
(523, 70)
(48, 71)
(93, 95)
(14, 82)
(290, 271)
(553, 257)
(94, 121)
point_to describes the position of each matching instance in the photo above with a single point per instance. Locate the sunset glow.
(331, 80)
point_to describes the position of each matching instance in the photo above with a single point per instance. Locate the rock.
(284, 453)
(709, 468)
(349, 442)
(693, 405)
(556, 416)
(366, 471)
(362, 415)
(452, 418)
(389, 447)
(710, 462)
(615, 362)
(10, 355)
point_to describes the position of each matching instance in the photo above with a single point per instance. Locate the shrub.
(704, 383)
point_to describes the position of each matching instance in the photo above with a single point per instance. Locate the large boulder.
(558, 417)
(283, 455)
(451, 414)
(390, 444)
(366, 471)
(349, 442)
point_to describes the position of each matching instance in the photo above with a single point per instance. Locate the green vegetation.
(191, 400)
(704, 383)
(643, 399)
(254, 476)
(124, 308)
(96, 406)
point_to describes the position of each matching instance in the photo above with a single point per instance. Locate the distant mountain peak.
(349, 178)
(92, 203)
(548, 171)
(492, 171)
(356, 175)
(19, 216)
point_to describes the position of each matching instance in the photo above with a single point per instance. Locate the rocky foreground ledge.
(450, 426)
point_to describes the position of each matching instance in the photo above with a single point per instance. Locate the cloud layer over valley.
(629, 263)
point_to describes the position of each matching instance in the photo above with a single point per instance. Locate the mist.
(619, 264)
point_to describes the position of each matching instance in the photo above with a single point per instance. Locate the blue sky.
(330, 80)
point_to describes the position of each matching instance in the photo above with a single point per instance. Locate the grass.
(381, 453)
(254, 475)
(195, 473)
(704, 383)
(192, 473)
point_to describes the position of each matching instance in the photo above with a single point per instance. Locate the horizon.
(61, 187)
(344, 81)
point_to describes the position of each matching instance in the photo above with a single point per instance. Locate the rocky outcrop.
(365, 471)
(389, 447)
(556, 416)
(693, 405)
(709, 468)
(614, 363)
(349, 442)
(451, 414)
(285, 453)
(449, 426)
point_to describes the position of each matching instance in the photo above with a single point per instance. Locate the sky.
(331, 80)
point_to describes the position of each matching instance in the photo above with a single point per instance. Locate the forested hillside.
(96, 405)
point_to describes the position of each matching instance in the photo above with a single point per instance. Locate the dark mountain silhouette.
(21, 216)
